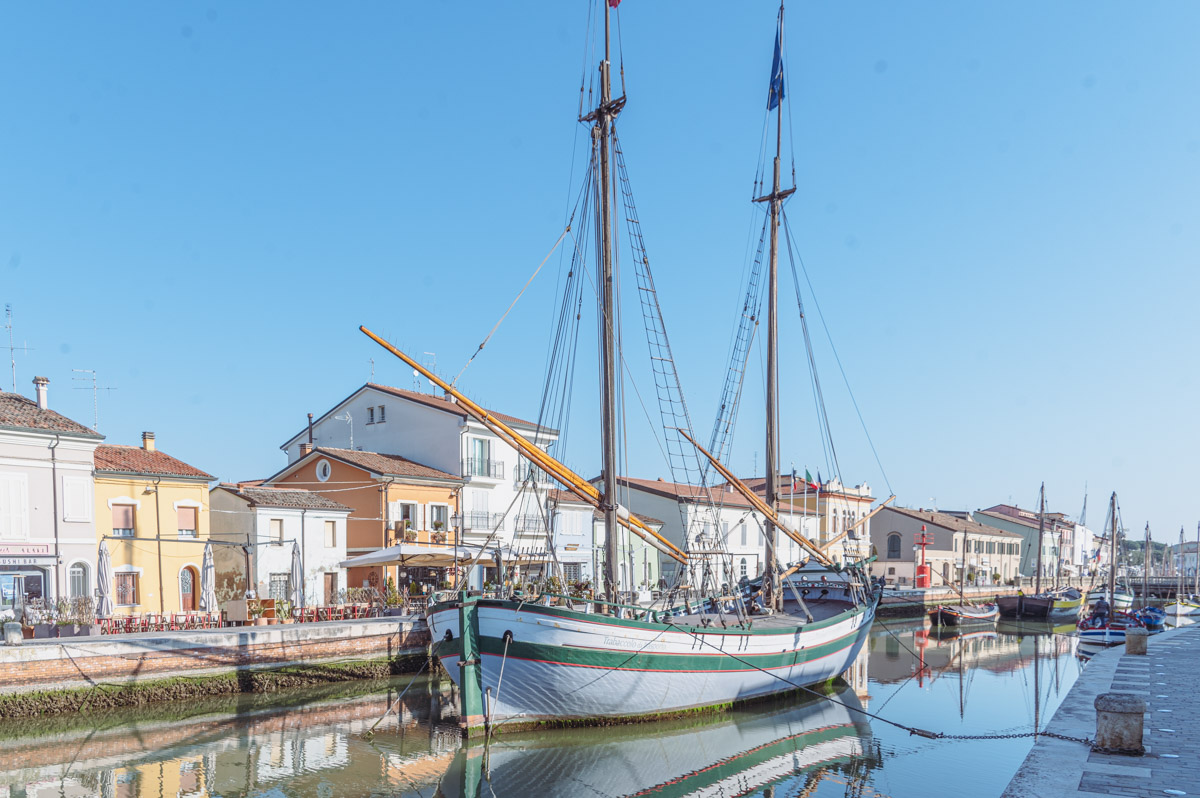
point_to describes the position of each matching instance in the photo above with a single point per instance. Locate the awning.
(412, 554)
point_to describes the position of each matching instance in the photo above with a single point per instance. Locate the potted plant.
(255, 610)
(284, 610)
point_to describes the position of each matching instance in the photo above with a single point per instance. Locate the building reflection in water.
(313, 742)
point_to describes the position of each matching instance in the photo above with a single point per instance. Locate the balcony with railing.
(479, 467)
(478, 520)
(527, 470)
(529, 524)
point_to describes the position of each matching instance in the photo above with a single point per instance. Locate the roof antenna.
(95, 393)
(372, 369)
(12, 348)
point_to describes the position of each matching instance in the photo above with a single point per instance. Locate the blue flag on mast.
(775, 93)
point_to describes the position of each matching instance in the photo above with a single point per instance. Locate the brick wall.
(124, 659)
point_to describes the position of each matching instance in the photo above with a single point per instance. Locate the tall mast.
(962, 576)
(1196, 580)
(774, 100)
(1041, 531)
(1179, 567)
(1112, 552)
(1146, 566)
(601, 138)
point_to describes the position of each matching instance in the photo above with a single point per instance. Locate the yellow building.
(152, 510)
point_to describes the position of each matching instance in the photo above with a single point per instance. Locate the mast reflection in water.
(313, 742)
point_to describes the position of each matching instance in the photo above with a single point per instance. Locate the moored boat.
(1109, 631)
(1120, 598)
(1183, 606)
(964, 614)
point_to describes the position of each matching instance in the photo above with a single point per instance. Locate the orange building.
(392, 499)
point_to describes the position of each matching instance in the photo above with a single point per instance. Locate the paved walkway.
(1169, 679)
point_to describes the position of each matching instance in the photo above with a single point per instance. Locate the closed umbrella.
(104, 602)
(208, 581)
(297, 597)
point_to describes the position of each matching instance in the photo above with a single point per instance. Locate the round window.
(324, 469)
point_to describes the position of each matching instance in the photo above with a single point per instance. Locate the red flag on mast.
(614, 3)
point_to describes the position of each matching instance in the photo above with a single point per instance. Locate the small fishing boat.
(1183, 606)
(1109, 631)
(1121, 598)
(964, 614)
(1153, 618)
(1066, 602)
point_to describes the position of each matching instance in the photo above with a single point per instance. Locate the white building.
(47, 519)
(437, 432)
(737, 528)
(574, 544)
(267, 521)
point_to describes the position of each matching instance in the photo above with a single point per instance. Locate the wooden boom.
(569, 479)
(760, 505)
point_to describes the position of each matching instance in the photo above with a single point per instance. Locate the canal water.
(315, 742)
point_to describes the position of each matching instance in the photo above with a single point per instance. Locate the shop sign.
(25, 550)
(26, 560)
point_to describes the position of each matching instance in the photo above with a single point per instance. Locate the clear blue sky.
(997, 204)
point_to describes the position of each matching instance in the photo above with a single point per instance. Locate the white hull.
(574, 665)
(1176, 608)
(1102, 637)
(1120, 601)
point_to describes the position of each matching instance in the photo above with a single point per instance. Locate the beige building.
(991, 556)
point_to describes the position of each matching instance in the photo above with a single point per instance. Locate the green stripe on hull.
(740, 763)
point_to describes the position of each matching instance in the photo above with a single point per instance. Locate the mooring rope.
(432, 655)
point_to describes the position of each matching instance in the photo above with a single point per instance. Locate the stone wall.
(129, 659)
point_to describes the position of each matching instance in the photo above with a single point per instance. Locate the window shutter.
(122, 515)
(77, 504)
(6, 507)
(393, 512)
(187, 519)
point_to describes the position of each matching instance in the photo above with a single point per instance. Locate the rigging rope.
(514, 303)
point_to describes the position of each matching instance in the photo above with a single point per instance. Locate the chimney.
(40, 384)
(310, 438)
(148, 441)
(305, 448)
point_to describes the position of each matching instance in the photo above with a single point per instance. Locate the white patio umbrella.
(297, 596)
(104, 602)
(208, 581)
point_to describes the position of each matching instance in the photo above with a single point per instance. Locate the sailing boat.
(560, 660)
(1189, 605)
(1059, 601)
(1109, 628)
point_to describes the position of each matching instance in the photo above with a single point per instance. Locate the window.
(742, 569)
(725, 533)
(956, 544)
(127, 589)
(14, 507)
(370, 415)
(79, 583)
(187, 521)
(743, 528)
(409, 518)
(122, 521)
(439, 517)
(324, 470)
(893, 550)
(382, 415)
(572, 572)
(277, 530)
(330, 534)
(279, 587)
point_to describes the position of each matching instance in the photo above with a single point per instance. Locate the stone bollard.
(12, 634)
(1119, 718)
(1135, 641)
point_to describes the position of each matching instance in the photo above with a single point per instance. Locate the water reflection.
(313, 742)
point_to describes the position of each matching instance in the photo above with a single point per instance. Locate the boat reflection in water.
(792, 746)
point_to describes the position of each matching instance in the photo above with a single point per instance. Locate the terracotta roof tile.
(392, 465)
(136, 460)
(22, 413)
(953, 522)
(284, 497)
(441, 403)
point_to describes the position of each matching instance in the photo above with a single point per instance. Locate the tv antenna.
(12, 347)
(96, 389)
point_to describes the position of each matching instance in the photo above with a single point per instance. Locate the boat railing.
(635, 612)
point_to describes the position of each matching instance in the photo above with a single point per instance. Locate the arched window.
(80, 584)
(894, 546)
(743, 568)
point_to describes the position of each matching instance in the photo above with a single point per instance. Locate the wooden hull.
(964, 615)
(1024, 606)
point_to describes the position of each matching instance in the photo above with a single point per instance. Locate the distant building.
(47, 518)
(498, 490)
(392, 499)
(266, 522)
(574, 546)
(991, 555)
(152, 511)
(1186, 562)
(1061, 537)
